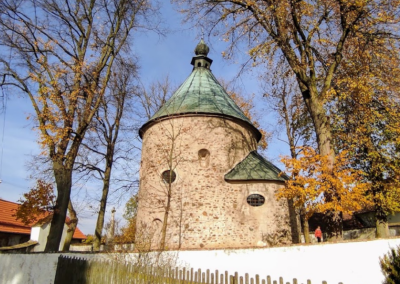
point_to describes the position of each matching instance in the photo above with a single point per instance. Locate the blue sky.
(158, 57)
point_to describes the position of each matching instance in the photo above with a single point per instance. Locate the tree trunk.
(73, 223)
(165, 221)
(381, 223)
(333, 222)
(334, 229)
(305, 228)
(102, 209)
(294, 223)
(382, 226)
(63, 179)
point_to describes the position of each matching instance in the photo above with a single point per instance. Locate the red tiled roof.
(9, 224)
(77, 234)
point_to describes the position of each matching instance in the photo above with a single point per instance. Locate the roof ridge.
(1, 199)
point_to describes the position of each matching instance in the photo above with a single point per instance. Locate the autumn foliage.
(37, 203)
(317, 188)
(128, 232)
(343, 53)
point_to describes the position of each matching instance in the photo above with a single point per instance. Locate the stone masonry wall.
(205, 210)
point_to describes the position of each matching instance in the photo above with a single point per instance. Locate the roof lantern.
(201, 59)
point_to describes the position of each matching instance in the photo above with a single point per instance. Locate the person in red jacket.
(318, 234)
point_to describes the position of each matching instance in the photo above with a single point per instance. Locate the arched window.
(204, 158)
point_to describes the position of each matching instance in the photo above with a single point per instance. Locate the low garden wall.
(348, 262)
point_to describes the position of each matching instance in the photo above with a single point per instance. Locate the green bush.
(390, 265)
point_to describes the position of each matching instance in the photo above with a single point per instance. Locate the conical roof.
(255, 167)
(201, 93)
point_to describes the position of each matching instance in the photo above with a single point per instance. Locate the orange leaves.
(36, 203)
(128, 233)
(318, 189)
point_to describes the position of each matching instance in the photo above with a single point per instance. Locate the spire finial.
(202, 48)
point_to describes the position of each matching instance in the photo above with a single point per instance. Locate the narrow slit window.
(204, 158)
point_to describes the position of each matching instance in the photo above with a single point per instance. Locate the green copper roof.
(201, 93)
(255, 167)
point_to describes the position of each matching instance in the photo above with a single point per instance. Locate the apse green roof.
(255, 167)
(201, 93)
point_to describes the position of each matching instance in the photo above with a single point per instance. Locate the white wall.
(40, 233)
(350, 263)
(35, 233)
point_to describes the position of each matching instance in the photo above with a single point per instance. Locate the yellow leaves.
(319, 189)
(55, 105)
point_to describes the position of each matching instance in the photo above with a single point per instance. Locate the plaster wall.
(205, 210)
(35, 233)
(40, 234)
(36, 268)
(349, 263)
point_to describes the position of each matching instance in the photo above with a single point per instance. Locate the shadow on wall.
(71, 270)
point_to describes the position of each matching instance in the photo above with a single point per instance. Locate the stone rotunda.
(202, 182)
